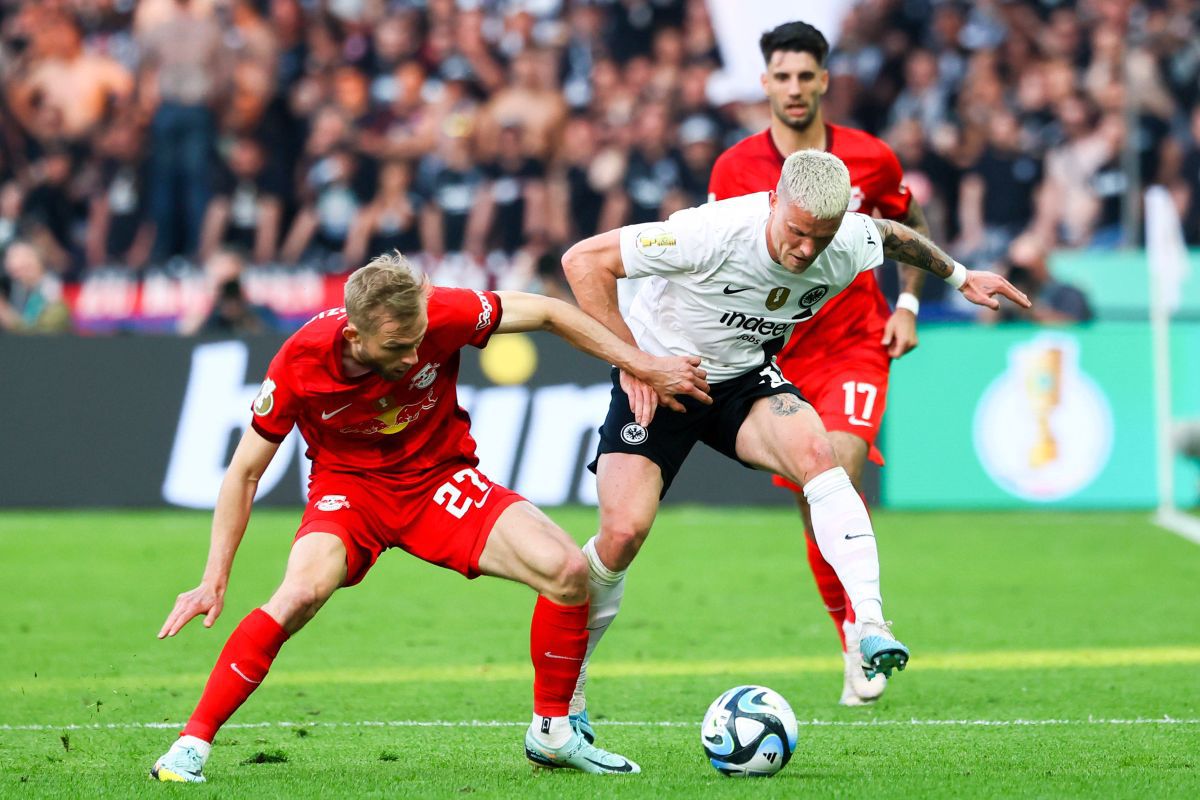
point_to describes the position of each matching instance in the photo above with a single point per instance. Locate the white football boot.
(181, 764)
(857, 688)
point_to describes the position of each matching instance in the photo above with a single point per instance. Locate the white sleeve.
(687, 242)
(865, 242)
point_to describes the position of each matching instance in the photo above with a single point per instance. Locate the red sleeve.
(722, 183)
(276, 405)
(470, 316)
(891, 195)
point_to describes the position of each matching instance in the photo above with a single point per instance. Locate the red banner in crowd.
(110, 302)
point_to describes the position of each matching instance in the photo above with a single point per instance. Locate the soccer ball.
(749, 731)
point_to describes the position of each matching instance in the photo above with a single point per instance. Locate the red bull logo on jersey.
(395, 418)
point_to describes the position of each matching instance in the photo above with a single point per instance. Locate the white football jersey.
(714, 290)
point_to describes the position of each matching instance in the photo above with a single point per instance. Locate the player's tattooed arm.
(912, 278)
(979, 286)
(905, 245)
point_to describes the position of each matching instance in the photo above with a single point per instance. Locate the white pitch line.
(804, 723)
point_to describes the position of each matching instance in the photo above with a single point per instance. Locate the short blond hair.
(388, 287)
(816, 181)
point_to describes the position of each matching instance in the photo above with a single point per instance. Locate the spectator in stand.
(229, 312)
(63, 80)
(698, 136)
(250, 37)
(120, 233)
(246, 212)
(512, 206)
(406, 127)
(1186, 185)
(531, 100)
(923, 97)
(652, 172)
(10, 214)
(1054, 303)
(391, 221)
(452, 222)
(34, 303)
(998, 192)
(321, 229)
(188, 66)
(49, 210)
(577, 185)
(1070, 169)
(933, 179)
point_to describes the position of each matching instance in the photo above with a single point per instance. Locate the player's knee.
(569, 581)
(817, 456)
(620, 541)
(296, 603)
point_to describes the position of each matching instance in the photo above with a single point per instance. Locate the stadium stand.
(487, 136)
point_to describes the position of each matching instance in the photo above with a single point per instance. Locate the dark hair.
(795, 37)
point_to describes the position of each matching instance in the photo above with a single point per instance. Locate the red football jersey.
(860, 311)
(398, 429)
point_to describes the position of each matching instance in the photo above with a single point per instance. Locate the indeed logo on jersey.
(760, 325)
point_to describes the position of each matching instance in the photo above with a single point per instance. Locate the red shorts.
(848, 389)
(444, 520)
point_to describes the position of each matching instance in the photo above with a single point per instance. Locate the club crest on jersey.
(813, 296)
(333, 502)
(634, 433)
(265, 400)
(778, 296)
(653, 242)
(425, 378)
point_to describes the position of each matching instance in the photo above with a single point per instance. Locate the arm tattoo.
(785, 405)
(909, 247)
(912, 279)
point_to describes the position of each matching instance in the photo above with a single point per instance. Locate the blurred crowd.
(488, 135)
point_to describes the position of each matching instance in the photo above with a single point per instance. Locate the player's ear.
(763, 80)
(350, 333)
(824, 81)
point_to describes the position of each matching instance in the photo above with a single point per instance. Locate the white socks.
(847, 541)
(202, 747)
(605, 589)
(551, 731)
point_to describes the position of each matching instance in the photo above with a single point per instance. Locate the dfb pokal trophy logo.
(1043, 428)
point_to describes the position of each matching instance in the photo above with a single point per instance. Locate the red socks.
(557, 643)
(830, 588)
(240, 668)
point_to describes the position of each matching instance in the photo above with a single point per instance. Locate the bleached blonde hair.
(388, 287)
(816, 181)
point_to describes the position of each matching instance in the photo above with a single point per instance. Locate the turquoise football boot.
(881, 651)
(577, 754)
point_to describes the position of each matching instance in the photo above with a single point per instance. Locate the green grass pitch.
(1053, 655)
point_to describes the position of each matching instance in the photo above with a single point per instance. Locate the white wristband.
(909, 302)
(958, 277)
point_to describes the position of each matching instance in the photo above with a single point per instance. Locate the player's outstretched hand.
(981, 288)
(204, 599)
(900, 333)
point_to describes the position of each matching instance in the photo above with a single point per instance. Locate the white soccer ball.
(749, 731)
